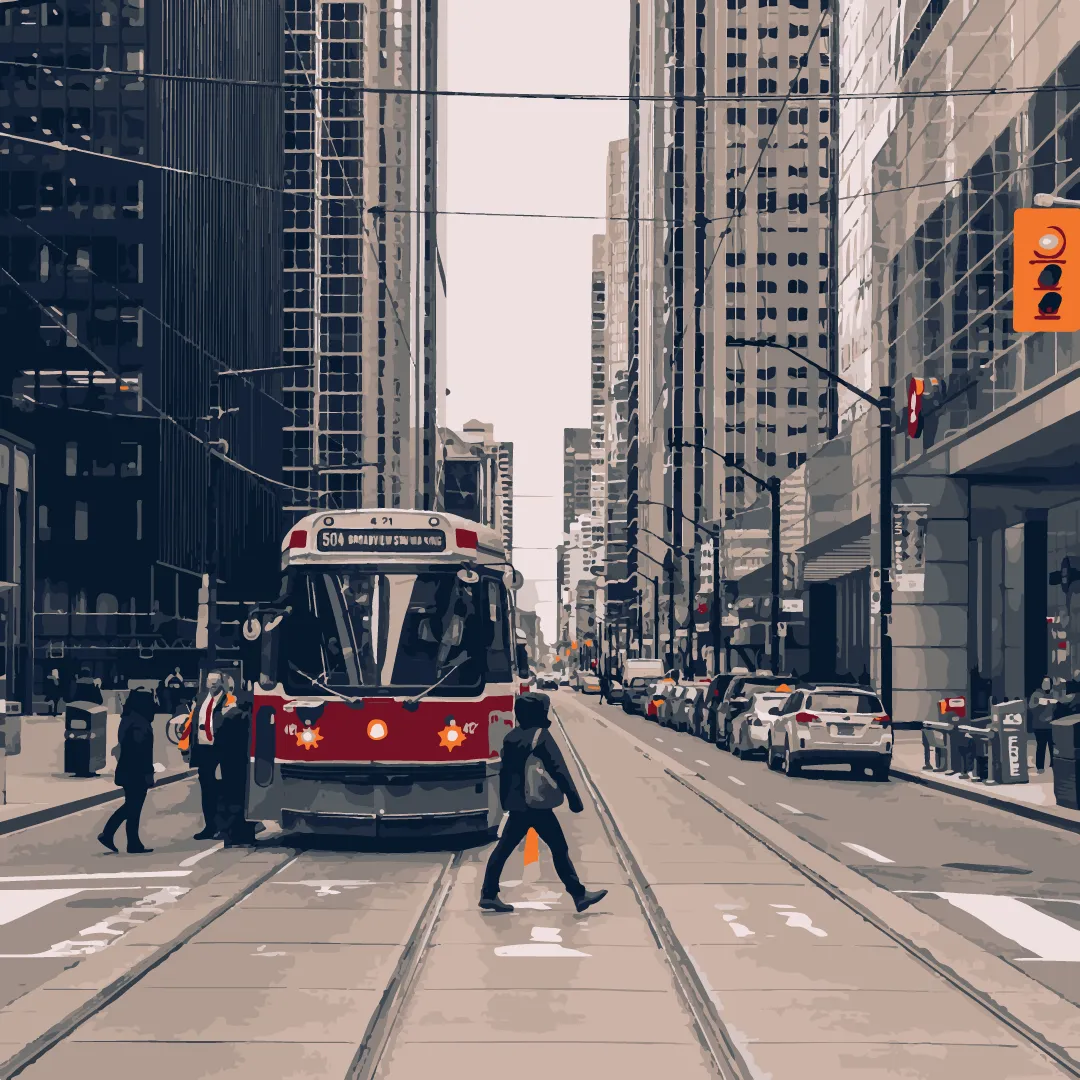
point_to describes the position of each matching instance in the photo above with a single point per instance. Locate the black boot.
(589, 899)
(493, 903)
(205, 834)
(107, 841)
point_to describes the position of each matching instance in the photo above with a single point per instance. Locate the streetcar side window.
(499, 668)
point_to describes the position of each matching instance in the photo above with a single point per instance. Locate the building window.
(43, 530)
(71, 459)
(82, 521)
(138, 519)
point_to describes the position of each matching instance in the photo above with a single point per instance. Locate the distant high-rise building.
(478, 478)
(577, 474)
(363, 274)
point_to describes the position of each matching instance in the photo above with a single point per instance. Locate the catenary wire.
(161, 414)
(521, 95)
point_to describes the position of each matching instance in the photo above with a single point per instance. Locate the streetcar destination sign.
(381, 540)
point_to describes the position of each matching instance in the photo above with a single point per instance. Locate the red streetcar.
(388, 676)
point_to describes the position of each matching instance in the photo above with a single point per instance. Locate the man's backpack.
(541, 790)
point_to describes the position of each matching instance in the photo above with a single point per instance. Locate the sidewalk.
(38, 789)
(1035, 799)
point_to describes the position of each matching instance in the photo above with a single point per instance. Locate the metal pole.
(716, 610)
(640, 621)
(656, 617)
(670, 662)
(885, 528)
(774, 630)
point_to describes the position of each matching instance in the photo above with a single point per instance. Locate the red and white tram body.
(388, 676)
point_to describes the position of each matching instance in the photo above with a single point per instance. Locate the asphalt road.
(63, 896)
(1008, 884)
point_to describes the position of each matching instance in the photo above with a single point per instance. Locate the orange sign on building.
(1046, 270)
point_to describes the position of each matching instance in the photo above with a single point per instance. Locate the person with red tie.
(212, 711)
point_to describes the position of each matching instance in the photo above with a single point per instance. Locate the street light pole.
(717, 615)
(884, 403)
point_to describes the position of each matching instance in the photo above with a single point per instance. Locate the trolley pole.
(774, 606)
(656, 617)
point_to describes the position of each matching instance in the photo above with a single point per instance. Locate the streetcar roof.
(381, 535)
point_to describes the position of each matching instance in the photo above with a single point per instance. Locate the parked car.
(615, 692)
(589, 683)
(690, 712)
(658, 695)
(737, 700)
(714, 698)
(832, 724)
(639, 676)
(564, 679)
(751, 728)
(547, 681)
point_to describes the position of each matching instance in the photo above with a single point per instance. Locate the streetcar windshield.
(364, 632)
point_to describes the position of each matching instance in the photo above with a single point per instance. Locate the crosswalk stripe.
(1048, 938)
(15, 903)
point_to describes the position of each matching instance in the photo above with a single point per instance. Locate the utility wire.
(161, 414)
(518, 95)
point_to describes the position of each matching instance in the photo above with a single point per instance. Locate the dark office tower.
(364, 287)
(140, 162)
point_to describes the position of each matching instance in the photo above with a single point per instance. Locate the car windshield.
(770, 699)
(755, 686)
(381, 633)
(843, 701)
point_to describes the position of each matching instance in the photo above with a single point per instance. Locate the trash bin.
(1009, 742)
(1066, 765)
(84, 738)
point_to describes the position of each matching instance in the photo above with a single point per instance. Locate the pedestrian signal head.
(1045, 297)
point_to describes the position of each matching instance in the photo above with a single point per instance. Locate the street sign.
(790, 606)
(781, 629)
(1044, 297)
(909, 547)
(914, 407)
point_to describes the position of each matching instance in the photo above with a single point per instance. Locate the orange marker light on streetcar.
(377, 730)
(309, 738)
(451, 736)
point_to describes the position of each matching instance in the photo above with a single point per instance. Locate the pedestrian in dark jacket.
(134, 769)
(212, 745)
(1040, 713)
(532, 737)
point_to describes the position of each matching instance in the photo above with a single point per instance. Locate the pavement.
(1035, 799)
(37, 788)
(829, 924)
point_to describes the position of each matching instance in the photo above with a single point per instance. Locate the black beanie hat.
(531, 709)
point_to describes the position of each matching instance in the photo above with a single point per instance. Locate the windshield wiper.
(412, 704)
(354, 701)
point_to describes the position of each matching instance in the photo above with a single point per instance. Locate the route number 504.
(290, 729)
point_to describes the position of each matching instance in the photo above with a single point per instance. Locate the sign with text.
(381, 540)
(909, 547)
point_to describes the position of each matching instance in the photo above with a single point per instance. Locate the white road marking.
(121, 874)
(737, 927)
(1048, 938)
(191, 860)
(869, 853)
(149, 906)
(736, 780)
(789, 809)
(798, 920)
(546, 941)
(660, 740)
(676, 749)
(15, 903)
(698, 761)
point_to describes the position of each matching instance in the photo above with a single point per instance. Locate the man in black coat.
(531, 711)
(214, 743)
(134, 770)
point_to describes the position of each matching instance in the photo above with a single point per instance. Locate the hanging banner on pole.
(909, 547)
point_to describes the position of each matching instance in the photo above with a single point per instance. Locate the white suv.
(831, 725)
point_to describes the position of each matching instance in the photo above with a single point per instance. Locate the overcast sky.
(518, 289)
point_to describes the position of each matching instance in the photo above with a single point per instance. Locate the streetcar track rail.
(55, 1035)
(690, 985)
(385, 1019)
(1028, 1034)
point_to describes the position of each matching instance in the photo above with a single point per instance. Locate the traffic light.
(1045, 297)
(788, 573)
(924, 398)
(1066, 577)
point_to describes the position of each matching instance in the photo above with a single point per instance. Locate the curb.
(51, 813)
(214, 901)
(987, 798)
